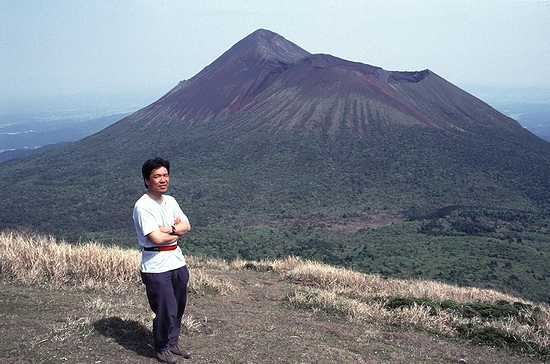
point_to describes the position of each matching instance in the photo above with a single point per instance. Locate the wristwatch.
(173, 230)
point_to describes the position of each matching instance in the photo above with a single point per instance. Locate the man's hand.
(182, 226)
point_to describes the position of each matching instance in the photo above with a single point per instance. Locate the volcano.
(265, 81)
(270, 131)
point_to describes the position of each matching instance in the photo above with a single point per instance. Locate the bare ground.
(253, 325)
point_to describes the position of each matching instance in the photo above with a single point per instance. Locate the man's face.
(158, 181)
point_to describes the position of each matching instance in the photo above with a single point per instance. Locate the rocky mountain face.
(270, 131)
(265, 81)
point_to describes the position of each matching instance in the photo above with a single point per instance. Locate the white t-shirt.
(149, 215)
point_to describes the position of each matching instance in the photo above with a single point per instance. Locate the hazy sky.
(51, 48)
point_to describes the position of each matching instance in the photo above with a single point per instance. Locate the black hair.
(150, 165)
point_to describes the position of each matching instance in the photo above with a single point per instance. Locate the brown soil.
(254, 325)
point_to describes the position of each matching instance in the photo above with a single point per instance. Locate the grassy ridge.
(32, 259)
(481, 315)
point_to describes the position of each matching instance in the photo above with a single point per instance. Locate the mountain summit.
(261, 46)
(228, 84)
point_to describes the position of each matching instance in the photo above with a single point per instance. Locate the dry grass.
(526, 337)
(39, 260)
(32, 259)
(275, 265)
(203, 262)
(358, 285)
(364, 297)
(202, 282)
(367, 286)
(374, 312)
(428, 305)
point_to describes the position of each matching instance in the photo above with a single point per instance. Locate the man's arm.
(161, 238)
(165, 235)
(181, 222)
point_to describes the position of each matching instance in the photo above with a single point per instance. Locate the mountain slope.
(272, 147)
(268, 126)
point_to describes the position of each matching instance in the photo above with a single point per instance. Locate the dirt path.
(39, 325)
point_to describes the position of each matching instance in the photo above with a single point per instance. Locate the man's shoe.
(177, 351)
(166, 356)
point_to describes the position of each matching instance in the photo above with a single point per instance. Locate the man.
(159, 222)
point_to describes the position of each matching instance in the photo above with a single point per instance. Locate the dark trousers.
(167, 295)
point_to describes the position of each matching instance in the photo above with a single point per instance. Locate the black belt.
(160, 248)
